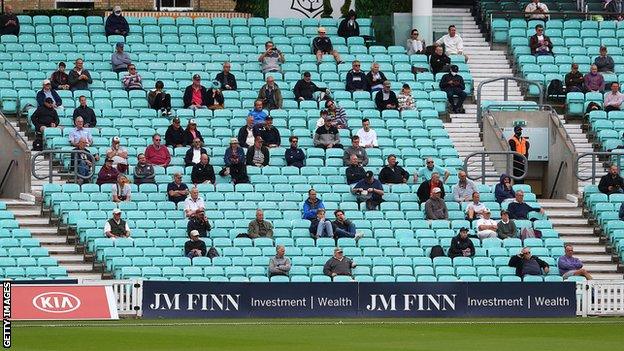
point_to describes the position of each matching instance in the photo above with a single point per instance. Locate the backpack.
(555, 88)
(436, 251)
(212, 253)
(526, 233)
(37, 144)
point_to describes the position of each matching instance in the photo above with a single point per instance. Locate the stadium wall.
(199, 5)
(13, 149)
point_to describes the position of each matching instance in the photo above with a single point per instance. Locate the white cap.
(46, 81)
(116, 139)
(116, 211)
(436, 190)
(194, 233)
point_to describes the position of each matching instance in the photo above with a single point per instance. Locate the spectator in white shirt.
(536, 10)
(368, 137)
(415, 45)
(475, 208)
(486, 227)
(453, 43)
(463, 190)
(613, 100)
(193, 203)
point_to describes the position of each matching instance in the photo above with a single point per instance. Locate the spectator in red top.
(156, 154)
(108, 174)
(195, 95)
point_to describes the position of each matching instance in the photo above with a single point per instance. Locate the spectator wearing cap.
(118, 154)
(86, 112)
(368, 136)
(174, 136)
(336, 113)
(613, 99)
(426, 188)
(9, 22)
(475, 208)
(356, 79)
(461, 245)
(338, 264)
(604, 62)
(349, 27)
(203, 172)
(143, 172)
(227, 81)
(304, 88)
(121, 189)
(191, 133)
(486, 226)
(199, 223)
(392, 173)
(453, 42)
(235, 163)
(83, 161)
(108, 174)
(214, 97)
(354, 172)
(294, 155)
(270, 94)
(120, 60)
(45, 116)
(271, 59)
(327, 136)
(269, 134)
(80, 132)
(357, 150)
(369, 190)
(463, 190)
(320, 226)
(157, 154)
(435, 207)
(60, 79)
(257, 113)
(116, 227)
(47, 92)
(521, 145)
(194, 203)
(405, 99)
(506, 227)
(593, 81)
(195, 94)
(574, 80)
(539, 43)
(322, 45)
(194, 153)
(259, 227)
(386, 99)
(116, 24)
(453, 85)
(132, 80)
(311, 205)
(195, 247)
(375, 77)
(79, 77)
(279, 264)
(159, 100)
(177, 191)
(439, 62)
(258, 154)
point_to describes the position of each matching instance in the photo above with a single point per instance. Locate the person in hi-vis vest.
(519, 144)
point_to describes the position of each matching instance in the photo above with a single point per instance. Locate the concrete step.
(603, 268)
(68, 258)
(32, 221)
(576, 231)
(588, 258)
(79, 267)
(581, 239)
(61, 249)
(42, 230)
(564, 212)
(590, 249)
(51, 239)
(86, 276)
(566, 222)
(607, 276)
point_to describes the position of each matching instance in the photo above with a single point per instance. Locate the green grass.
(322, 334)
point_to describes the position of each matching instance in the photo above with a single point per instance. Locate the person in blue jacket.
(503, 191)
(47, 91)
(311, 205)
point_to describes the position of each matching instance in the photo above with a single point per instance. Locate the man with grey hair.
(79, 132)
(193, 204)
(338, 264)
(463, 190)
(386, 99)
(259, 228)
(279, 264)
(527, 264)
(520, 209)
(430, 167)
(571, 266)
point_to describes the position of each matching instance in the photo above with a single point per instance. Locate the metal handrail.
(48, 156)
(505, 92)
(14, 131)
(594, 155)
(12, 163)
(509, 167)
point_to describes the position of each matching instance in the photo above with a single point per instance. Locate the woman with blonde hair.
(121, 189)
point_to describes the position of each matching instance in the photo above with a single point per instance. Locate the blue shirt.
(425, 173)
(84, 133)
(258, 116)
(376, 184)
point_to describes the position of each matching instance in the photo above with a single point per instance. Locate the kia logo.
(56, 302)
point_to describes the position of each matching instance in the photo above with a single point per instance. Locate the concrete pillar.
(422, 12)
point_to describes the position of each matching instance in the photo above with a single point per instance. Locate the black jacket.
(424, 191)
(44, 116)
(458, 245)
(195, 224)
(305, 89)
(445, 83)
(355, 174)
(231, 80)
(270, 136)
(294, 157)
(534, 44)
(188, 157)
(381, 103)
(389, 176)
(174, 137)
(437, 62)
(346, 31)
(14, 30)
(188, 96)
(212, 98)
(372, 82)
(202, 173)
(116, 23)
(573, 80)
(188, 137)
(87, 114)
(250, 155)
(192, 245)
(606, 181)
(76, 84)
(322, 44)
(356, 81)
(518, 263)
(59, 78)
(242, 137)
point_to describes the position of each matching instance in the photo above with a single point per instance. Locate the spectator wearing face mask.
(453, 85)
(116, 24)
(521, 145)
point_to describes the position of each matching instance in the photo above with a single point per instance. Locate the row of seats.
(605, 210)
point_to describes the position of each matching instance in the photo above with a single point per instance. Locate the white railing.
(600, 298)
(129, 294)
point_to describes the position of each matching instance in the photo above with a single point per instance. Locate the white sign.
(303, 8)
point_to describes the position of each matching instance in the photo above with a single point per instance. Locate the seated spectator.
(193, 204)
(336, 120)
(259, 228)
(271, 59)
(613, 100)
(132, 80)
(79, 77)
(430, 167)
(322, 45)
(461, 245)
(571, 266)
(258, 154)
(426, 187)
(375, 78)
(337, 114)
(203, 172)
(338, 264)
(199, 223)
(621, 212)
(503, 191)
(246, 133)
(435, 208)
(270, 94)
(194, 153)
(405, 99)
(614, 7)
(79, 132)
(439, 62)
(120, 60)
(227, 81)
(463, 190)
(357, 150)
(279, 264)
(475, 208)
(354, 172)
(368, 136)
(304, 88)
(453, 42)
(344, 228)
(191, 133)
(349, 27)
(258, 114)
(520, 209)
(47, 92)
(175, 136)
(392, 173)
(269, 134)
(118, 154)
(369, 190)
(60, 79)
(612, 182)
(311, 205)
(214, 97)
(88, 115)
(320, 226)
(235, 163)
(327, 136)
(157, 154)
(195, 95)
(159, 100)
(108, 174)
(527, 264)
(116, 24)
(415, 45)
(116, 227)
(356, 79)
(386, 99)
(593, 81)
(574, 80)
(45, 116)
(536, 10)
(176, 190)
(144, 172)
(604, 62)
(294, 155)
(486, 227)
(83, 162)
(506, 227)
(453, 85)
(9, 23)
(539, 43)
(121, 189)
(195, 247)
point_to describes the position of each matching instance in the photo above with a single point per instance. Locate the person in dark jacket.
(226, 79)
(116, 24)
(159, 100)
(439, 61)
(203, 172)
(86, 112)
(425, 188)
(174, 136)
(354, 172)
(604, 62)
(304, 88)
(47, 92)
(327, 136)
(269, 134)
(234, 161)
(453, 85)
(503, 191)
(82, 162)
(143, 172)
(356, 78)
(191, 133)
(527, 264)
(369, 190)
(195, 247)
(195, 94)
(520, 209)
(612, 182)
(200, 223)
(246, 133)
(386, 99)
(344, 228)
(79, 78)
(461, 245)
(375, 78)
(322, 45)
(194, 153)
(258, 154)
(338, 264)
(294, 155)
(574, 80)
(60, 79)
(214, 97)
(108, 174)
(392, 173)
(45, 116)
(621, 212)
(349, 27)
(9, 23)
(539, 43)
